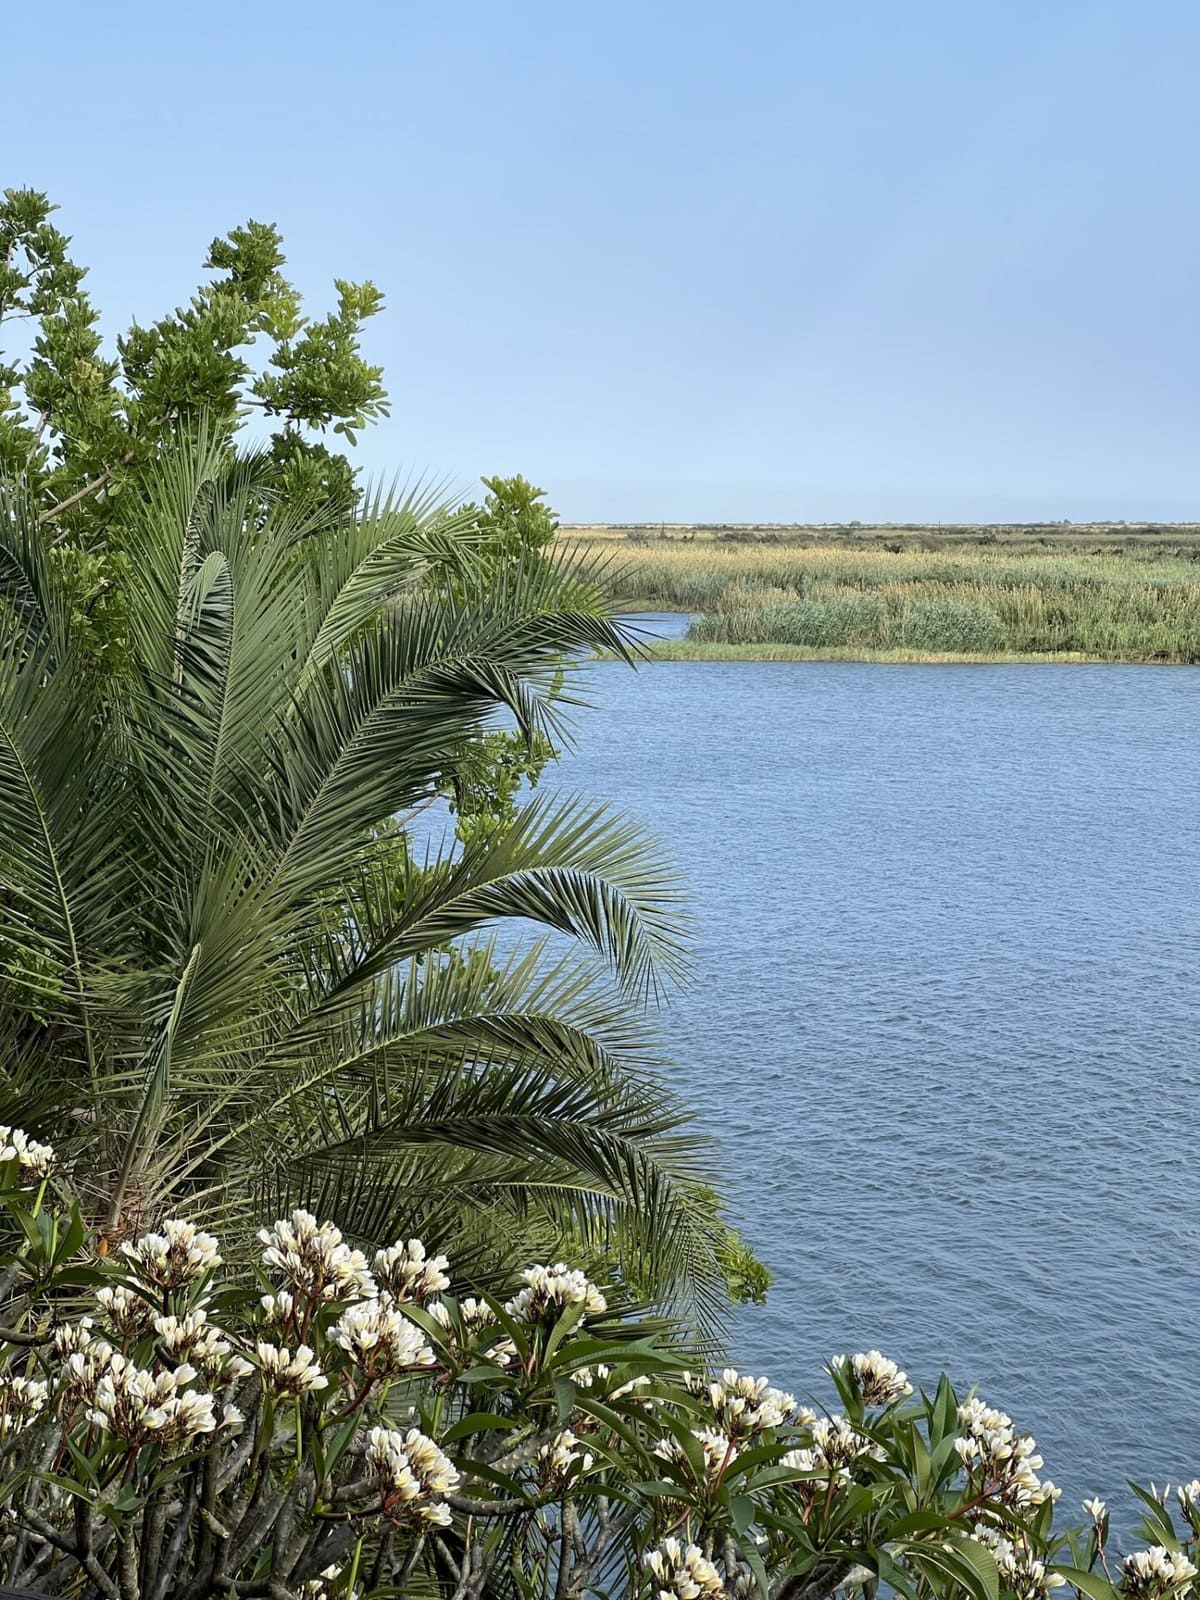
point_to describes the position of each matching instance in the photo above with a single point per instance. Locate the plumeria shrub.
(326, 1423)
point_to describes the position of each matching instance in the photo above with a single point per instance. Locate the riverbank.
(772, 600)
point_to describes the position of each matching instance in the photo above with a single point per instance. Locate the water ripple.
(944, 1017)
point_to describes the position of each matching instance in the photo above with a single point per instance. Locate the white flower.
(835, 1447)
(473, 1316)
(83, 1361)
(407, 1273)
(381, 1340)
(414, 1475)
(717, 1449)
(21, 1399)
(1156, 1571)
(681, 1572)
(314, 1260)
(807, 1460)
(742, 1406)
(553, 1289)
(180, 1254)
(563, 1458)
(1096, 1509)
(1023, 1573)
(193, 1338)
(1005, 1462)
(288, 1374)
(1189, 1495)
(138, 1405)
(33, 1160)
(70, 1337)
(129, 1312)
(321, 1587)
(277, 1307)
(878, 1380)
(585, 1377)
(623, 1390)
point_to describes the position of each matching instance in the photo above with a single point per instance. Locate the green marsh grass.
(969, 602)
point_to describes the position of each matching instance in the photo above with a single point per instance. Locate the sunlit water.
(944, 1018)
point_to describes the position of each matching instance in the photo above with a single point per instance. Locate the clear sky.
(757, 259)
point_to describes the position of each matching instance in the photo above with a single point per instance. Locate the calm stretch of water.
(944, 1018)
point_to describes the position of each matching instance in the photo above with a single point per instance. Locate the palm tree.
(228, 980)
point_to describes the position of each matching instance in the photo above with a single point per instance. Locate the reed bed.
(1125, 606)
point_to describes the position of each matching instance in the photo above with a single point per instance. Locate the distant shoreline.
(1094, 536)
(668, 650)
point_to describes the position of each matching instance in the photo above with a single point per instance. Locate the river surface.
(944, 1019)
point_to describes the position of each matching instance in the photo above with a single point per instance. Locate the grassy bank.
(966, 602)
(701, 650)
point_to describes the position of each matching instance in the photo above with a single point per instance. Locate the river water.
(944, 1019)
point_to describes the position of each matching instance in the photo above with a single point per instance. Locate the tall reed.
(1117, 606)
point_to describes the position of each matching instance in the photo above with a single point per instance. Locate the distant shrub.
(840, 620)
(952, 625)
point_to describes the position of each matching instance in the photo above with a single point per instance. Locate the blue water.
(944, 1018)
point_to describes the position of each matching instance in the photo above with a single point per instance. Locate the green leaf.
(1093, 1584)
(479, 1422)
(741, 1509)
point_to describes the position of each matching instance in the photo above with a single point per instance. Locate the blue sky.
(765, 259)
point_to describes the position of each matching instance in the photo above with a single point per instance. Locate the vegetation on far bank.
(909, 603)
(700, 650)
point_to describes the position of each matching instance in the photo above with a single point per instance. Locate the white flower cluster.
(380, 1339)
(836, 1444)
(83, 1358)
(130, 1313)
(681, 1572)
(68, 1337)
(597, 1378)
(406, 1273)
(314, 1260)
(1148, 1574)
(1020, 1570)
(1096, 1509)
(563, 1459)
(554, 1289)
(1006, 1462)
(137, 1405)
(20, 1401)
(743, 1407)
(1189, 1495)
(290, 1374)
(33, 1160)
(473, 1316)
(278, 1307)
(414, 1475)
(196, 1340)
(717, 1449)
(179, 1255)
(878, 1380)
